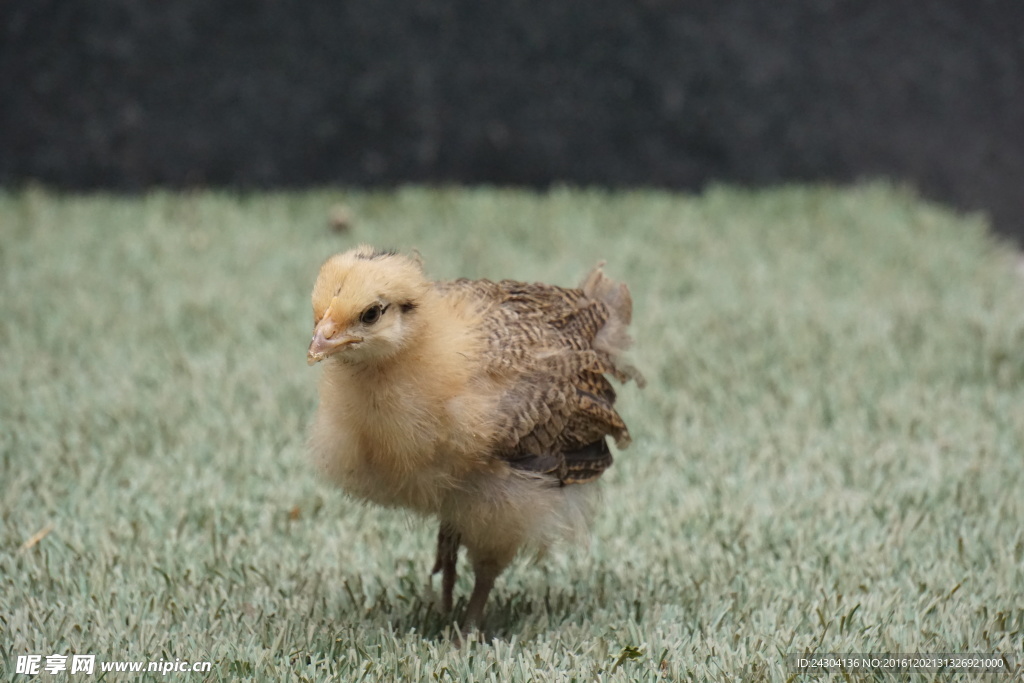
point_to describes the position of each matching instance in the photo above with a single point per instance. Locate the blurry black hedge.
(126, 94)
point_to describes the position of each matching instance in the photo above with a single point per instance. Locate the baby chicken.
(483, 405)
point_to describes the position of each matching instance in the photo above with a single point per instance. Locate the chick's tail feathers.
(613, 338)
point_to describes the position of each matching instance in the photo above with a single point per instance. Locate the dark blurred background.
(126, 94)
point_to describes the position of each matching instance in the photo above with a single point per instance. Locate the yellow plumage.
(473, 402)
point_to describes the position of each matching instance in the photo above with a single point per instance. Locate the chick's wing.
(557, 406)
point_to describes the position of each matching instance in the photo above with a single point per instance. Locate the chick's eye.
(371, 314)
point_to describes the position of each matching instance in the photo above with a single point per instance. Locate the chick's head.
(364, 305)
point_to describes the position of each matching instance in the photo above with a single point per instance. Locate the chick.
(483, 405)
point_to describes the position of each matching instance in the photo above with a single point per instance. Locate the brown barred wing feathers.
(552, 348)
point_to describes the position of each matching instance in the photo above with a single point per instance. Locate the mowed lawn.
(828, 457)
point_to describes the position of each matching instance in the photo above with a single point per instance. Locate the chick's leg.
(486, 572)
(447, 555)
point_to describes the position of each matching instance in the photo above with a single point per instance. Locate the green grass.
(828, 456)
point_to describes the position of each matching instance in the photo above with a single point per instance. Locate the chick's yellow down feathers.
(484, 405)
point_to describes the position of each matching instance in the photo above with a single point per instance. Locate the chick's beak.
(328, 339)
